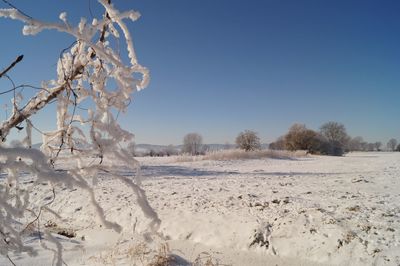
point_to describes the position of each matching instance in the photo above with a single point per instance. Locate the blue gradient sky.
(221, 66)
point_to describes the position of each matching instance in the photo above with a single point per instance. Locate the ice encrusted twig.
(83, 72)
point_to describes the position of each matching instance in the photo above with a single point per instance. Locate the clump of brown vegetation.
(163, 257)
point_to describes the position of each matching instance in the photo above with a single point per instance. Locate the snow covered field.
(315, 210)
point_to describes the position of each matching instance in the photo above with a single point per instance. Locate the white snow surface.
(317, 210)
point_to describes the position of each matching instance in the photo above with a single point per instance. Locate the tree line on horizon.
(331, 139)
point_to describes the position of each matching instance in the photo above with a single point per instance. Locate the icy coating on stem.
(92, 87)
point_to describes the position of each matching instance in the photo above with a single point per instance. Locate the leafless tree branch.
(36, 104)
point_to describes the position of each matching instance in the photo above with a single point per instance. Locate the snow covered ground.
(315, 210)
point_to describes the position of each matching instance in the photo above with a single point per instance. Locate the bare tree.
(391, 145)
(378, 145)
(336, 135)
(355, 144)
(192, 143)
(248, 141)
(335, 132)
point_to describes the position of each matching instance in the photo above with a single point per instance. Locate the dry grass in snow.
(237, 154)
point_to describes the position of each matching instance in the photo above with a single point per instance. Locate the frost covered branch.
(34, 105)
(86, 126)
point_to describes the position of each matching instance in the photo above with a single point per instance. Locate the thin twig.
(23, 86)
(40, 211)
(10, 260)
(18, 59)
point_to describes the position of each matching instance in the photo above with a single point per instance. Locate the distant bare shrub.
(391, 145)
(192, 144)
(248, 141)
(279, 144)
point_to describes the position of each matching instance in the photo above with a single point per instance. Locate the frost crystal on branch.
(93, 84)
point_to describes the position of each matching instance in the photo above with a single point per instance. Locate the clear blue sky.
(221, 66)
